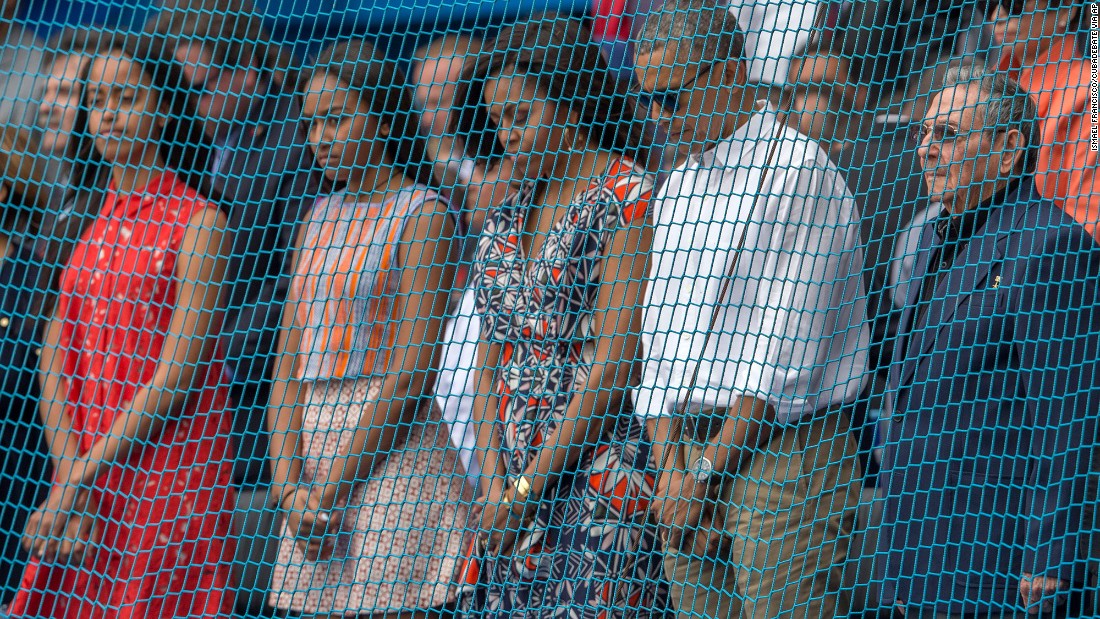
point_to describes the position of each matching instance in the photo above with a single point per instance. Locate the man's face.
(957, 152)
(222, 95)
(435, 80)
(689, 98)
(826, 70)
(1024, 32)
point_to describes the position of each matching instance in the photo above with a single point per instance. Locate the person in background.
(993, 374)
(757, 235)
(375, 497)
(558, 269)
(435, 71)
(882, 170)
(774, 32)
(825, 99)
(20, 62)
(821, 64)
(71, 208)
(262, 176)
(1039, 49)
(24, 457)
(64, 61)
(137, 521)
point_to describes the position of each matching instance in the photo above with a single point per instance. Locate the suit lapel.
(969, 274)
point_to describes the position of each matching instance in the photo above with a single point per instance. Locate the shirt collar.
(955, 228)
(759, 128)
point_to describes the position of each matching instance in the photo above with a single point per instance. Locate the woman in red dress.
(137, 522)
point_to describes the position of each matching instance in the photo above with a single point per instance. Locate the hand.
(46, 527)
(81, 535)
(500, 522)
(678, 504)
(1035, 589)
(706, 539)
(313, 526)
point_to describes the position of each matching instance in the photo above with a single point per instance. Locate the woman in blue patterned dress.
(560, 268)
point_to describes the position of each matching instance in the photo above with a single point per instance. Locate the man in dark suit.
(993, 387)
(263, 177)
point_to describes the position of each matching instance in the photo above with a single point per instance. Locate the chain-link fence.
(520, 309)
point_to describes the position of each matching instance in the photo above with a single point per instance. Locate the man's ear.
(384, 129)
(1012, 152)
(735, 73)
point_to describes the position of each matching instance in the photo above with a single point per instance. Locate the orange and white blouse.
(345, 282)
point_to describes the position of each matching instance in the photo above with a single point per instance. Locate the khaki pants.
(788, 516)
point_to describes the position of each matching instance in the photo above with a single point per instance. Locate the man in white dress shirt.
(759, 477)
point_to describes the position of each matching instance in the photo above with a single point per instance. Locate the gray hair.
(1005, 105)
(710, 29)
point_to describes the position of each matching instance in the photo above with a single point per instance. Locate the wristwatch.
(701, 470)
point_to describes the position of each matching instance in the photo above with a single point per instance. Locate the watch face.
(702, 469)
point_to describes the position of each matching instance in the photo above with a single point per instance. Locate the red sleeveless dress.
(165, 548)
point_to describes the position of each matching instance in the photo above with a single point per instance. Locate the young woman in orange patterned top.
(375, 495)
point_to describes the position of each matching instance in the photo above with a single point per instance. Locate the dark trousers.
(1080, 604)
(249, 400)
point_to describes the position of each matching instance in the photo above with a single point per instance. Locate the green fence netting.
(681, 308)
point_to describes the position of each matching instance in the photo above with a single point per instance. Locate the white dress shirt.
(454, 384)
(792, 328)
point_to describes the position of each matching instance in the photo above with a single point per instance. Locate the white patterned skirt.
(403, 527)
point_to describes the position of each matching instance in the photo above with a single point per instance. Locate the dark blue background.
(304, 24)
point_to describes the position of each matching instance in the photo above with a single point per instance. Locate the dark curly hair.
(183, 145)
(569, 69)
(384, 90)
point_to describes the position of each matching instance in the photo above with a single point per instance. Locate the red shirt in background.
(610, 20)
(1066, 170)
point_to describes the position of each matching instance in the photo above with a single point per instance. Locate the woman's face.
(124, 115)
(530, 129)
(343, 136)
(59, 102)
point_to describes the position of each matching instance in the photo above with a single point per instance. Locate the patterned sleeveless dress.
(402, 527)
(166, 544)
(589, 553)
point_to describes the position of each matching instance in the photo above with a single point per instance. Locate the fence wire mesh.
(630, 309)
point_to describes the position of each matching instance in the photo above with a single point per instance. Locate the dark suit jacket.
(995, 400)
(264, 186)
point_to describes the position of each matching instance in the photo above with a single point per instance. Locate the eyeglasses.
(943, 132)
(940, 132)
(669, 99)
